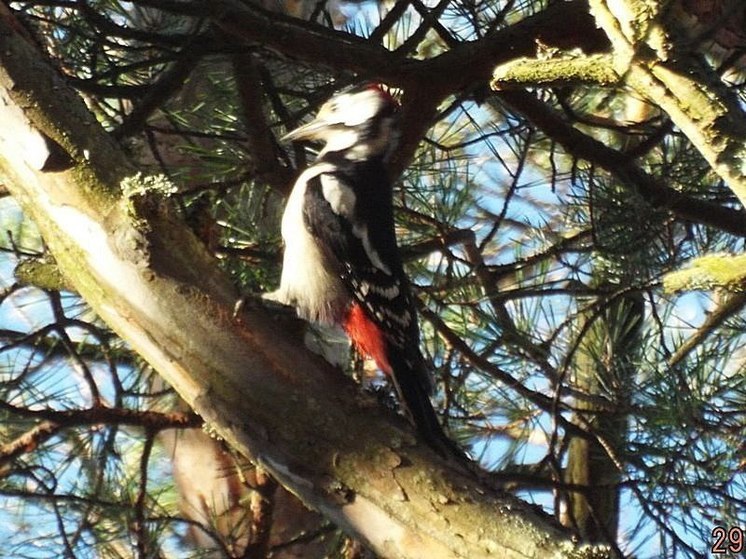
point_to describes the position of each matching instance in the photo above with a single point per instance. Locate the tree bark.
(646, 56)
(247, 373)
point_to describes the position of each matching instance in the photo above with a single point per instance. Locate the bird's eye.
(328, 110)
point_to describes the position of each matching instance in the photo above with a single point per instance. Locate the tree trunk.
(604, 371)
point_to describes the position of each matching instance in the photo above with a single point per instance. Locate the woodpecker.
(341, 263)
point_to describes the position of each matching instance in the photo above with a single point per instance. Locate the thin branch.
(168, 84)
(733, 304)
(111, 416)
(654, 191)
(106, 27)
(77, 362)
(27, 442)
(141, 540)
(439, 243)
(388, 22)
(429, 21)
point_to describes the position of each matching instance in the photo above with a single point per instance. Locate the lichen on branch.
(726, 271)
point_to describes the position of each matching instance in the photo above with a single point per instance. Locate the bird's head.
(358, 122)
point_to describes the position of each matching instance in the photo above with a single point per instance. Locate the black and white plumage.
(341, 263)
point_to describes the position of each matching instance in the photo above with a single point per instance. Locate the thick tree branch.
(475, 60)
(693, 96)
(425, 82)
(646, 58)
(314, 44)
(309, 42)
(248, 376)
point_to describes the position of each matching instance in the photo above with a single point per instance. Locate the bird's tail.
(413, 386)
(406, 368)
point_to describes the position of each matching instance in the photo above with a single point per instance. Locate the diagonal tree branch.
(248, 376)
(167, 85)
(631, 175)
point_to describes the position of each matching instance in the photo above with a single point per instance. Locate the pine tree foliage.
(538, 217)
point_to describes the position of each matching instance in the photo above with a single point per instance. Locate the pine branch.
(653, 190)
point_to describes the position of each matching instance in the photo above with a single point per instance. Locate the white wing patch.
(361, 232)
(340, 196)
(342, 200)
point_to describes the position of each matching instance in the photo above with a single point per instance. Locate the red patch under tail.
(367, 337)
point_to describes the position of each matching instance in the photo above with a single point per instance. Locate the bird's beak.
(309, 131)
